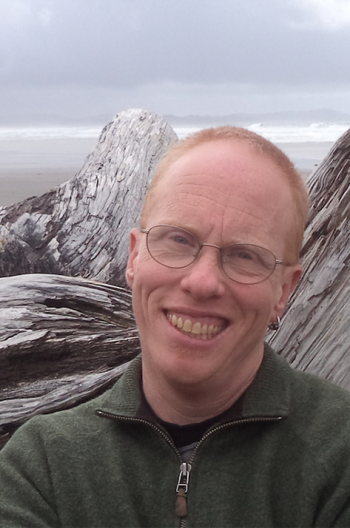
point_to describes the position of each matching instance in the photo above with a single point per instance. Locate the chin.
(187, 368)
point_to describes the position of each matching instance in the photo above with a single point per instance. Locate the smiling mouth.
(195, 329)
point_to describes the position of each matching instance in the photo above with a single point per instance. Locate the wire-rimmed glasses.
(178, 248)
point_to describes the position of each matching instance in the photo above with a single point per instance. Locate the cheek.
(258, 299)
(152, 282)
(143, 269)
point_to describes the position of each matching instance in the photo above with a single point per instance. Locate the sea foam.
(315, 133)
(283, 133)
(49, 132)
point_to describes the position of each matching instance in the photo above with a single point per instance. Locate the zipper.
(228, 424)
(182, 489)
(106, 414)
(186, 467)
(204, 437)
(184, 475)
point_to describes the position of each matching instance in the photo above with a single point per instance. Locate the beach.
(31, 166)
(306, 156)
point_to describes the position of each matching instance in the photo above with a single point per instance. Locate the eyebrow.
(194, 232)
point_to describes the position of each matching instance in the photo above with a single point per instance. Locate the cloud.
(330, 15)
(20, 16)
(112, 54)
(22, 24)
(128, 43)
(45, 17)
(171, 98)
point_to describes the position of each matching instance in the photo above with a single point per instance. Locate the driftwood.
(82, 227)
(62, 340)
(315, 331)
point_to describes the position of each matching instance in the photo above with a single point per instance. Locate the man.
(210, 427)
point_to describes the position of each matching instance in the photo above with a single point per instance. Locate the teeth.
(196, 329)
(187, 327)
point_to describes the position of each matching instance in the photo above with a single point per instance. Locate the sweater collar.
(267, 396)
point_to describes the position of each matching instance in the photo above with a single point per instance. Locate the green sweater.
(282, 461)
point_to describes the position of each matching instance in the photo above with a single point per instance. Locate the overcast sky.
(88, 57)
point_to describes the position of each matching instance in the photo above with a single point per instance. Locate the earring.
(275, 325)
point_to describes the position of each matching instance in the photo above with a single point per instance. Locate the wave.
(314, 133)
(49, 132)
(296, 133)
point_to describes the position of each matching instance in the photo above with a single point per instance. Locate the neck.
(180, 404)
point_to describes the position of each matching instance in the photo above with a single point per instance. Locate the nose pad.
(204, 277)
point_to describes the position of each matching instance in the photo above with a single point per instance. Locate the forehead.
(224, 184)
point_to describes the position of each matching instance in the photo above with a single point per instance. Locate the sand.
(31, 167)
(306, 156)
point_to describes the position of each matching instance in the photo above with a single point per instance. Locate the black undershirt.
(184, 435)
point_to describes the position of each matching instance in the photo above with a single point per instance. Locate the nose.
(204, 278)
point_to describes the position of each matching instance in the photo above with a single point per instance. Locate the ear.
(290, 279)
(135, 237)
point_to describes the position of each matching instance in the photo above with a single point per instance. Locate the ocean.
(33, 160)
(306, 145)
(58, 132)
(286, 133)
(283, 133)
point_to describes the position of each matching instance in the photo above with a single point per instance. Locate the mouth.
(195, 328)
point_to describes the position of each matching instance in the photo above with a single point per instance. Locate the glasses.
(177, 248)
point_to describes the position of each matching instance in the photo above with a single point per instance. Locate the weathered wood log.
(82, 227)
(315, 331)
(62, 341)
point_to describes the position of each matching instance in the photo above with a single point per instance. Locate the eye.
(181, 238)
(244, 255)
(247, 257)
(240, 253)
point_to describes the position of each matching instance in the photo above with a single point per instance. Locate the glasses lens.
(248, 264)
(172, 246)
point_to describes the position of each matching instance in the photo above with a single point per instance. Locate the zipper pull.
(181, 490)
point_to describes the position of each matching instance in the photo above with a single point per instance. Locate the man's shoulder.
(305, 385)
(83, 419)
(75, 421)
(317, 391)
(316, 406)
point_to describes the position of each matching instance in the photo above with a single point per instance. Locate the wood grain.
(62, 340)
(82, 227)
(315, 331)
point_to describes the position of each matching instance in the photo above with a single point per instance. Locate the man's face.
(223, 192)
